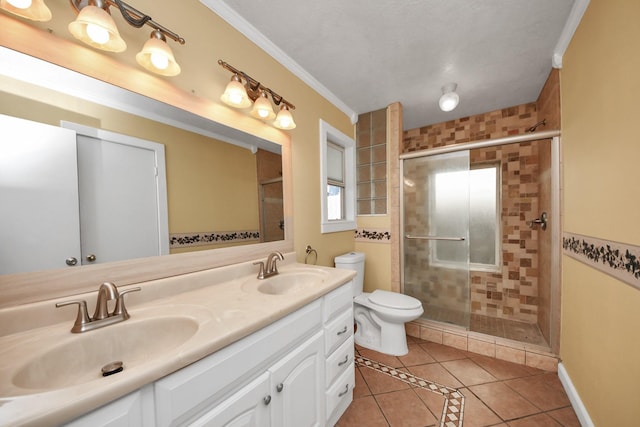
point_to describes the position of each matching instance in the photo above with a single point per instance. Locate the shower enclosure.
(474, 250)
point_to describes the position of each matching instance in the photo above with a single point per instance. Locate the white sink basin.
(79, 358)
(289, 282)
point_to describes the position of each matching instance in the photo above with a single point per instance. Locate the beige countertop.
(211, 308)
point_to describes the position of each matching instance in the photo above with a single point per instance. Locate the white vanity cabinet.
(297, 371)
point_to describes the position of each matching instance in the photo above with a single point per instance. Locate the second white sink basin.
(288, 282)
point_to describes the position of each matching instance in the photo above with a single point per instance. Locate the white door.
(38, 196)
(123, 199)
(297, 386)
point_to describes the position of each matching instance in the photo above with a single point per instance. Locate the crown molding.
(575, 16)
(221, 9)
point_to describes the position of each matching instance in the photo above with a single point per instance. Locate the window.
(482, 183)
(371, 139)
(337, 170)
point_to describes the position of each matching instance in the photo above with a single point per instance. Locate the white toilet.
(379, 315)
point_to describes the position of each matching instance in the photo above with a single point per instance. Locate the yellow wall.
(209, 38)
(600, 87)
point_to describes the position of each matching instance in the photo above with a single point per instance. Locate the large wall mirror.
(228, 193)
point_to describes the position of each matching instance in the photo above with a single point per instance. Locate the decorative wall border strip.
(373, 235)
(185, 240)
(619, 260)
(453, 409)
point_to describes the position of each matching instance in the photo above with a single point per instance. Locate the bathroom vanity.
(207, 349)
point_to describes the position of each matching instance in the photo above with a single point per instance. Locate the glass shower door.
(435, 205)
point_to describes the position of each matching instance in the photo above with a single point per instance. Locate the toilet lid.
(394, 300)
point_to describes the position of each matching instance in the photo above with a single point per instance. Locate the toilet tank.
(353, 261)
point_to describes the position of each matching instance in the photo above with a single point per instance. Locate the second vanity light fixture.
(95, 27)
(244, 91)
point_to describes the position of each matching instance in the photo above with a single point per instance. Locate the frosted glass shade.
(35, 10)
(235, 95)
(284, 119)
(95, 27)
(157, 57)
(262, 108)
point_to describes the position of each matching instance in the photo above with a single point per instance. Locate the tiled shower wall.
(512, 293)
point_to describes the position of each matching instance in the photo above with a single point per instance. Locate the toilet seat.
(394, 300)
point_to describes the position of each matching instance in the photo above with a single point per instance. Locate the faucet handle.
(120, 307)
(82, 318)
(261, 272)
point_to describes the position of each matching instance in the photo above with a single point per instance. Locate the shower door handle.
(453, 239)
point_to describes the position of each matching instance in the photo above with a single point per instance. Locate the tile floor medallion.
(453, 409)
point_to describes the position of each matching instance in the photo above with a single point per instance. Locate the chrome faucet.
(101, 317)
(270, 268)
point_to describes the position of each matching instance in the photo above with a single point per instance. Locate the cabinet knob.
(267, 400)
(91, 257)
(279, 387)
(344, 331)
(71, 261)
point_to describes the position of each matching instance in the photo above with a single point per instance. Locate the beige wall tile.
(454, 340)
(430, 334)
(541, 361)
(510, 354)
(485, 348)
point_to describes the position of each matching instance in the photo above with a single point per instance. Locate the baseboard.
(572, 393)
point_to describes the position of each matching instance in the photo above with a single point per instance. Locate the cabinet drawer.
(340, 394)
(338, 330)
(338, 362)
(337, 300)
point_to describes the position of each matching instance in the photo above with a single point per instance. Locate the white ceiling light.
(449, 99)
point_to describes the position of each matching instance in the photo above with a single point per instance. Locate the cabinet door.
(249, 407)
(125, 412)
(297, 383)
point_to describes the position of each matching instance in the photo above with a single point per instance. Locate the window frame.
(331, 135)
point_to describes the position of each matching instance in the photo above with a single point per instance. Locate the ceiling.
(366, 54)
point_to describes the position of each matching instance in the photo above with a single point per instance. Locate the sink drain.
(112, 368)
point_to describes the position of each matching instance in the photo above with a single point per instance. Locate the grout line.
(453, 409)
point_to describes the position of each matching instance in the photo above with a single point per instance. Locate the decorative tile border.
(619, 260)
(185, 240)
(453, 410)
(373, 235)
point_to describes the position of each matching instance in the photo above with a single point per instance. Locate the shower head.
(533, 128)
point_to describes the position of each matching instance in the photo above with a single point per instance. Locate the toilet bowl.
(380, 315)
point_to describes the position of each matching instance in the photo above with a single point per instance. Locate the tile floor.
(495, 392)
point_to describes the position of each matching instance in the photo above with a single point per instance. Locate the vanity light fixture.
(95, 27)
(243, 91)
(35, 10)
(449, 99)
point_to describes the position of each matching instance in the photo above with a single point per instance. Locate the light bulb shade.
(95, 27)
(449, 101)
(157, 57)
(284, 119)
(235, 95)
(262, 108)
(35, 10)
